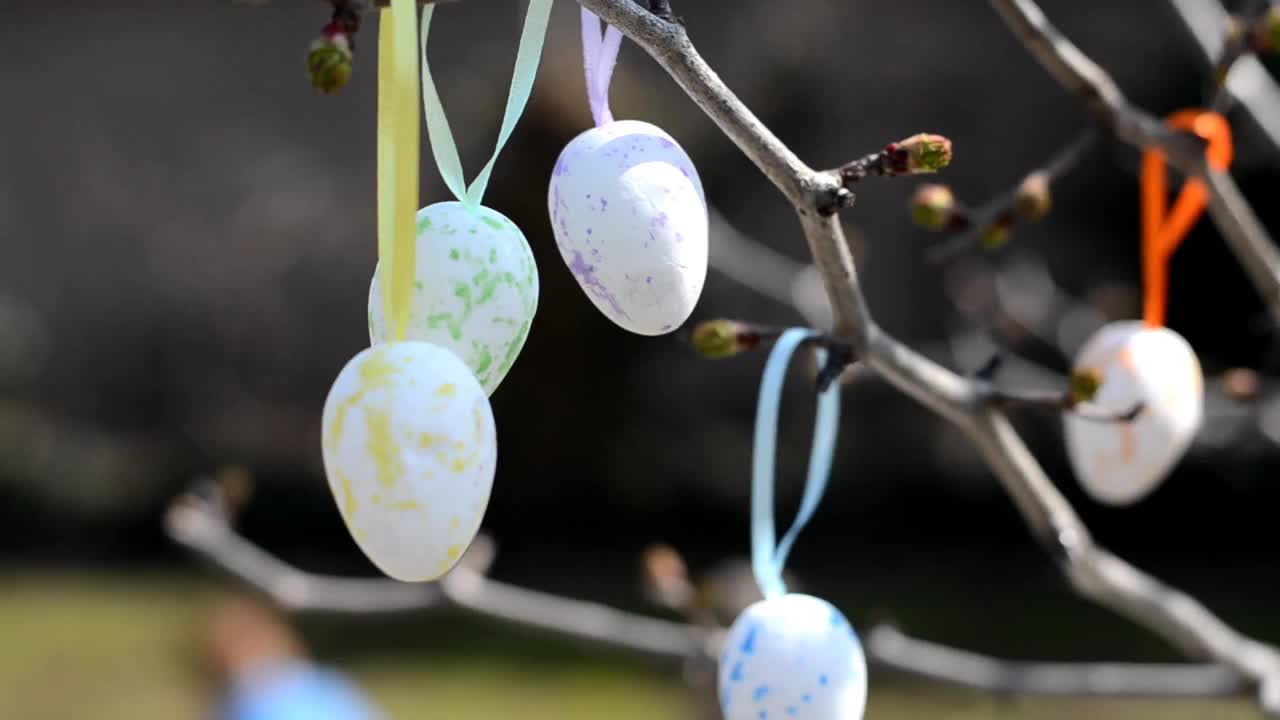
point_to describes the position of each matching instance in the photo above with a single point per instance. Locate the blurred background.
(186, 242)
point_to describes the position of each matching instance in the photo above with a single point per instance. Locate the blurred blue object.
(296, 690)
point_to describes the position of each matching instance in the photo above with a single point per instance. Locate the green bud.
(329, 63)
(1033, 199)
(718, 339)
(1220, 75)
(926, 153)
(1235, 28)
(1084, 385)
(932, 206)
(1268, 37)
(995, 236)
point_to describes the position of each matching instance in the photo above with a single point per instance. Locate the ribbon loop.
(768, 560)
(1163, 229)
(599, 57)
(398, 139)
(443, 147)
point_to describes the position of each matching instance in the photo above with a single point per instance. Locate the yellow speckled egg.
(410, 450)
(1119, 463)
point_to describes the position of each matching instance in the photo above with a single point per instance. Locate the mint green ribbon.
(443, 147)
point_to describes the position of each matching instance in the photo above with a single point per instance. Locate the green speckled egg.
(475, 289)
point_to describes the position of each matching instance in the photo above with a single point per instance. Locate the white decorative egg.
(630, 218)
(1119, 463)
(410, 451)
(793, 656)
(475, 289)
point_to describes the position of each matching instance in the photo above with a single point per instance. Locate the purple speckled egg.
(630, 218)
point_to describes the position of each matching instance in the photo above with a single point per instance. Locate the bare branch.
(196, 523)
(1245, 234)
(896, 651)
(201, 525)
(1246, 79)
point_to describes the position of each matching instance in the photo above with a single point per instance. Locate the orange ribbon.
(1163, 229)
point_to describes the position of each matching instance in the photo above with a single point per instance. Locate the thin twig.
(1059, 400)
(968, 227)
(1026, 301)
(919, 154)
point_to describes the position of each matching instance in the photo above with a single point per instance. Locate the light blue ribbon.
(768, 560)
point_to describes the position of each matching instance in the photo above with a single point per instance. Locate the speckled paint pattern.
(410, 451)
(475, 289)
(630, 219)
(793, 656)
(1120, 463)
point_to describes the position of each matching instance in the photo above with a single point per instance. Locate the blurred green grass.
(117, 647)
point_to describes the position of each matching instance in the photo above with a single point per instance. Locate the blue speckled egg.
(793, 656)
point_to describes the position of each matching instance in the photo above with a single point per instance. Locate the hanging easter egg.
(410, 451)
(1119, 463)
(475, 289)
(792, 656)
(630, 219)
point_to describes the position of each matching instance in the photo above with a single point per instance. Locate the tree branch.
(201, 522)
(806, 189)
(1237, 222)
(895, 651)
(1246, 78)
(202, 526)
(1093, 572)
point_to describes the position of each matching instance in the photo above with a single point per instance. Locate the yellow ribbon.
(398, 88)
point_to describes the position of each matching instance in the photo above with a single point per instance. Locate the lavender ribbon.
(599, 57)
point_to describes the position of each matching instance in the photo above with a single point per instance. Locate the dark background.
(187, 237)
